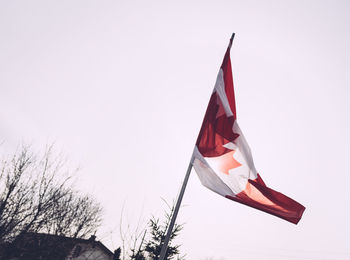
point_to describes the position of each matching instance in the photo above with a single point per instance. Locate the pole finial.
(231, 40)
(233, 36)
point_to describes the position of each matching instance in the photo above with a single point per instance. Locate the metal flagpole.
(177, 207)
(178, 203)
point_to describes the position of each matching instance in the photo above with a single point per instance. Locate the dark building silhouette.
(39, 246)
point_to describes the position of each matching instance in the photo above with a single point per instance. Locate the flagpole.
(179, 199)
(176, 210)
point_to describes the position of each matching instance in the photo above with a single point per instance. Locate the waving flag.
(222, 157)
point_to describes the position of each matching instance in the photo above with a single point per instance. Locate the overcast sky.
(121, 87)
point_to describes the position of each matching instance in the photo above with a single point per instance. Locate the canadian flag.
(223, 160)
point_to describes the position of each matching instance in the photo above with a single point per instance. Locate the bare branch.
(36, 195)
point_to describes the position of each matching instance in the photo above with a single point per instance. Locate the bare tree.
(36, 195)
(132, 238)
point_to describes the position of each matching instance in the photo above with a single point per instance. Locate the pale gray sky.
(121, 87)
